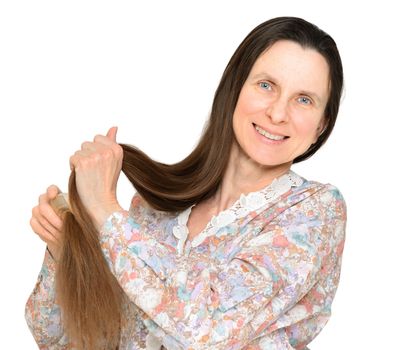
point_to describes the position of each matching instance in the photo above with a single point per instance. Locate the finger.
(43, 221)
(77, 157)
(45, 226)
(112, 133)
(45, 235)
(104, 140)
(94, 146)
(53, 191)
(88, 146)
(73, 161)
(46, 211)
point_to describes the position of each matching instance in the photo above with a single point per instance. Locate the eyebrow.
(302, 92)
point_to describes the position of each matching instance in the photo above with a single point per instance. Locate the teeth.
(268, 135)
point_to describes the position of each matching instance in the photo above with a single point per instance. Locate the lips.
(269, 135)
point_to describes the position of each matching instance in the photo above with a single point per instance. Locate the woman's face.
(280, 109)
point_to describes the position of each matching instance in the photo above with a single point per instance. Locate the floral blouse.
(261, 275)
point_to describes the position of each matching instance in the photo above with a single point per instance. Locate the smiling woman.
(226, 249)
(281, 106)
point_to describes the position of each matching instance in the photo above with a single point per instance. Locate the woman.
(227, 249)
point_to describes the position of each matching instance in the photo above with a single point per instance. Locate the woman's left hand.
(97, 168)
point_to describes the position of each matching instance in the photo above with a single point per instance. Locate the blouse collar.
(242, 207)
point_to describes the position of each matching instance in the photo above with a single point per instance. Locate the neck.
(244, 175)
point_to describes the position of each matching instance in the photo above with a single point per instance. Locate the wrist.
(101, 214)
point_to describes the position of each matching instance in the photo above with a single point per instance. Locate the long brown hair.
(90, 296)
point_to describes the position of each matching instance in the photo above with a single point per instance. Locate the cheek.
(307, 126)
(249, 102)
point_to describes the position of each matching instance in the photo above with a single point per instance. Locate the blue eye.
(304, 100)
(266, 85)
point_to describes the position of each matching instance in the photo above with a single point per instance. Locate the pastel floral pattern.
(242, 207)
(262, 275)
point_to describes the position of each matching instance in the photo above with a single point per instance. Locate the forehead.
(293, 66)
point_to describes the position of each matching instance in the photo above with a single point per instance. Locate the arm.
(229, 308)
(298, 326)
(297, 314)
(42, 314)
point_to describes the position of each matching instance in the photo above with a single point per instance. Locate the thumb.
(112, 133)
(53, 191)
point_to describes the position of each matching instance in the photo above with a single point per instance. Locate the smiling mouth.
(269, 135)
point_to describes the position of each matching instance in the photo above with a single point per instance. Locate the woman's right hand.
(46, 223)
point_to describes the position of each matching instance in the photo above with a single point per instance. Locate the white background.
(72, 69)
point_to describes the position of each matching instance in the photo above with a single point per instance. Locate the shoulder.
(326, 198)
(316, 196)
(313, 212)
(330, 193)
(327, 210)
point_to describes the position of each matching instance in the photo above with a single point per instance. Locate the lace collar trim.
(241, 208)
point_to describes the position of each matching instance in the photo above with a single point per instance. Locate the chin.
(271, 162)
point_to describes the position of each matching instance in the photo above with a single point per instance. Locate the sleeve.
(234, 305)
(42, 314)
(310, 238)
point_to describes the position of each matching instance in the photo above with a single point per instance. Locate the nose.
(277, 111)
